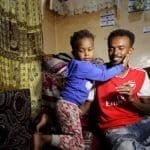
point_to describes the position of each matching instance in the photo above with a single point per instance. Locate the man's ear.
(131, 50)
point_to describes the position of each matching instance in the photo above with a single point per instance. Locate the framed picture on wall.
(138, 5)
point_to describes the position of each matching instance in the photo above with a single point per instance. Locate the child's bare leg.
(37, 141)
(40, 140)
(43, 121)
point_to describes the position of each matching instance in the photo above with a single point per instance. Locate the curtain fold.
(73, 7)
(21, 46)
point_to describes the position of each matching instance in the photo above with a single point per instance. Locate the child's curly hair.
(74, 39)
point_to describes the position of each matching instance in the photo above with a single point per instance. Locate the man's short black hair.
(121, 32)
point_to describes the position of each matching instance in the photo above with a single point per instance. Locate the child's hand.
(42, 122)
(126, 60)
(85, 107)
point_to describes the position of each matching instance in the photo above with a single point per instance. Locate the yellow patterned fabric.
(21, 46)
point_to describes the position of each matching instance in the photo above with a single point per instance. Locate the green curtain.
(20, 47)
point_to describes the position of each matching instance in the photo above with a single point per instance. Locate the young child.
(80, 73)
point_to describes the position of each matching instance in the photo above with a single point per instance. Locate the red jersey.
(114, 110)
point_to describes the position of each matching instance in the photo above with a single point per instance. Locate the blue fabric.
(79, 73)
(132, 137)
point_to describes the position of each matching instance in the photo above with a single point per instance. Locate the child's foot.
(38, 142)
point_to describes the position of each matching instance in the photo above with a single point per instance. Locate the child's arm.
(92, 72)
(86, 106)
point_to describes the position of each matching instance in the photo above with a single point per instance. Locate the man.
(124, 99)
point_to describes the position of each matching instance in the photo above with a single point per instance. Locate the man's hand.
(126, 89)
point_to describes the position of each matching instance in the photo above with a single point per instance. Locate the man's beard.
(115, 62)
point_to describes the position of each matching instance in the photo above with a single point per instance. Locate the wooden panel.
(15, 111)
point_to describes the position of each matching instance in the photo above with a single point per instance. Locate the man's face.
(119, 48)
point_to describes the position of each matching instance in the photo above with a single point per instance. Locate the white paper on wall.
(146, 29)
(107, 18)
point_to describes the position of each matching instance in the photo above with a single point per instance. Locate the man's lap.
(135, 136)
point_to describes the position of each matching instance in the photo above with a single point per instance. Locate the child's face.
(86, 49)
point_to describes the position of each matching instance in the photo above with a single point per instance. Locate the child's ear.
(74, 53)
